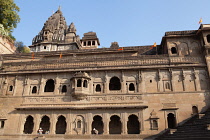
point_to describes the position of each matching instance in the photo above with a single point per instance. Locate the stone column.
(37, 121)
(53, 121)
(26, 86)
(15, 86)
(142, 85)
(197, 79)
(57, 85)
(159, 82)
(106, 120)
(21, 124)
(69, 123)
(41, 86)
(123, 83)
(124, 124)
(106, 84)
(5, 84)
(88, 123)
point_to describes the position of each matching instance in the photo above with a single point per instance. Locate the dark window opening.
(89, 43)
(115, 125)
(61, 125)
(29, 125)
(154, 124)
(50, 86)
(114, 83)
(97, 124)
(194, 110)
(45, 124)
(34, 89)
(79, 124)
(173, 50)
(171, 120)
(131, 87)
(10, 88)
(45, 47)
(84, 43)
(2, 124)
(208, 38)
(93, 43)
(150, 81)
(133, 125)
(79, 83)
(98, 88)
(85, 84)
(64, 88)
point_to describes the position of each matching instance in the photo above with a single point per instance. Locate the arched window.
(79, 124)
(29, 125)
(194, 110)
(98, 88)
(84, 43)
(133, 125)
(154, 124)
(64, 88)
(2, 124)
(34, 89)
(10, 88)
(61, 125)
(89, 43)
(208, 38)
(173, 50)
(79, 83)
(114, 83)
(85, 83)
(50, 86)
(93, 43)
(131, 87)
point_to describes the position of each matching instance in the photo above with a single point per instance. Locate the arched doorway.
(115, 125)
(133, 125)
(194, 110)
(45, 124)
(98, 124)
(171, 120)
(114, 83)
(29, 125)
(61, 125)
(50, 86)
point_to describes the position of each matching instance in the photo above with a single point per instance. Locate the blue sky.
(129, 22)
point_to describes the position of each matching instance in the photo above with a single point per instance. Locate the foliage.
(8, 15)
(21, 48)
(3, 32)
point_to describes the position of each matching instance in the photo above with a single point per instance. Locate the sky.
(128, 22)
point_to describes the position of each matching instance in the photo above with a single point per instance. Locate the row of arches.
(115, 125)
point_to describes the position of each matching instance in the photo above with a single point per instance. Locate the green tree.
(21, 48)
(9, 15)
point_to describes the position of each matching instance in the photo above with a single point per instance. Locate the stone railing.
(98, 63)
(89, 99)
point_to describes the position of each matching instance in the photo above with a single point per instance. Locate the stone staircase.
(197, 128)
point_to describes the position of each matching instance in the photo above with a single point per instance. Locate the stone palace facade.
(68, 85)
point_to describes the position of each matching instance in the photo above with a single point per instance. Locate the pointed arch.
(98, 124)
(133, 125)
(50, 86)
(114, 83)
(45, 124)
(115, 125)
(29, 125)
(61, 125)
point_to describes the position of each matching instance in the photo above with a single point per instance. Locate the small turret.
(90, 41)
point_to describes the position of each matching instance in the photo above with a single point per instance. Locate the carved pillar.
(5, 84)
(142, 85)
(106, 120)
(27, 86)
(69, 121)
(123, 83)
(124, 124)
(37, 121)
(88, 123)
(57, 85)
(53, 121)
(41, 86)
(139, 80)
(159, 81)
(21, 124)
(106, 84)
(183, 81)
(197, 83)
(15, 85)
(172, 80)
